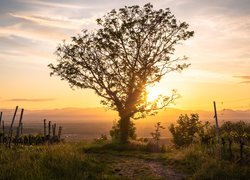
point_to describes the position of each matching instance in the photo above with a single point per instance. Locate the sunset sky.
(219, 52)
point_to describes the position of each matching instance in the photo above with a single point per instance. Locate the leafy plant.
(185, 131)
(157, 133)
(237, 132)
(115, 131)
(154, 146)
(206, 132)
(101, 139)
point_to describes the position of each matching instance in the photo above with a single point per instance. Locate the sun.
(153, 93)
(162, 95)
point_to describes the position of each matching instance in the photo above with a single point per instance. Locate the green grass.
(200, 164)
(62, 161)
(108, 160)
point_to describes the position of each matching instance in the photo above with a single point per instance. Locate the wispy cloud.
(245, 79)
(242, 77)
(12, 53)
(31, 100)
(33, 33)
(53, 4)
(60, 22)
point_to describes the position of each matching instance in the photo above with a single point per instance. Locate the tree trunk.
(124, 129)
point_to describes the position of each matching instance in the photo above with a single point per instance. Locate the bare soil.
(129, 167)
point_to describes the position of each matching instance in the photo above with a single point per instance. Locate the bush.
(101, 139)
(237, 131)
(115, 131)
(186, 129)
(156, 135)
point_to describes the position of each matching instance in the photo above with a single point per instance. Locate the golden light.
(153, 93)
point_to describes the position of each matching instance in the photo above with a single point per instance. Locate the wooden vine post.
(49, 134)
(19, 127)
(54, 131)
(59, 132)
(44, 126)
(11, 126)
(1, 114)
(49, 129)
(218, 149)
(3, 128)
(1, 135)
(216, 124)
(19, 124)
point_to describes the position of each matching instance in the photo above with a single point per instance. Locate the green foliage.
(237, 131)
(63, 161)
(155, 146)
(186, 129)
(215, 169)
(235, 134)
(115, 132)
(157, 133)
(195, 161)
(101, 139)
(206, 130)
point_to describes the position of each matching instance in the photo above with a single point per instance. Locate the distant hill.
(102, 115)
(91, 122)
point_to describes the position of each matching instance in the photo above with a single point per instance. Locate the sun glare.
(153, 93)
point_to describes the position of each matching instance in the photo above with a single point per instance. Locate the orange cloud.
(246, 79)
(31, 100)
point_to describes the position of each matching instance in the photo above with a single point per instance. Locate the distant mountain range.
(91, 122)
(102, 115)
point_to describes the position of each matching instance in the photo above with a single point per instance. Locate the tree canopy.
(132, 49)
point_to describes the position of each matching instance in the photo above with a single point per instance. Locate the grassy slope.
(108, 161)
(63, 161)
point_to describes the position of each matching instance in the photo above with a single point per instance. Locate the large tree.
(131, 49)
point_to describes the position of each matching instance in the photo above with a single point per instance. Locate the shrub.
(154, 146)
(115, 131)
(157, 133)
(236, 131)
(186, 129)
(101, 139)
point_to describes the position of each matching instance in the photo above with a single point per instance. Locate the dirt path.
(135, 168)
